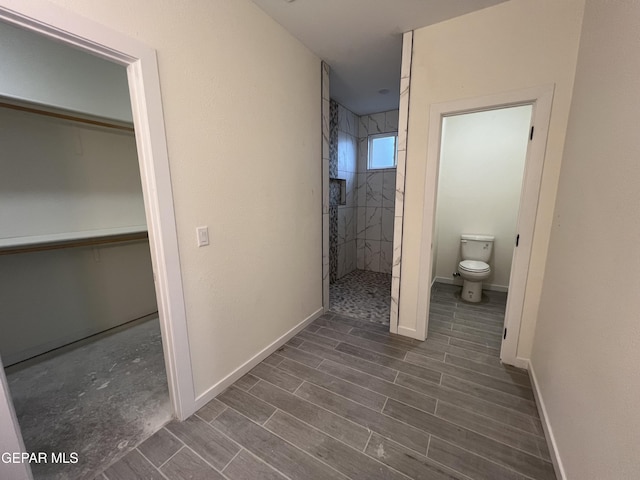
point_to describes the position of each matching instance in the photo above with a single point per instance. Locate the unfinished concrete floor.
(99, 397)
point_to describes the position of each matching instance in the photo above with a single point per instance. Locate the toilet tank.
(476, 247)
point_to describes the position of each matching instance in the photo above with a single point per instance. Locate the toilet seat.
(474, 266)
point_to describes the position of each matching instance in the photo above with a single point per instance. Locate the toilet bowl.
(474, 269)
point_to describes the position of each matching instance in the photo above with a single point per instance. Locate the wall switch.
(203, 236)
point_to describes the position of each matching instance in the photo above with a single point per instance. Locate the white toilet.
(476, 252)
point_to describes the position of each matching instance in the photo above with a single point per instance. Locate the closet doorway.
(150, 146)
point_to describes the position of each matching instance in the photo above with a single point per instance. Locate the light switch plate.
(203, 236)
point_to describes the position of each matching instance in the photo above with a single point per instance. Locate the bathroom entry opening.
(482, 159)
(481, 196)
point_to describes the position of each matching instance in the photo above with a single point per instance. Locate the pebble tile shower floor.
(345, 399)
(362, 294)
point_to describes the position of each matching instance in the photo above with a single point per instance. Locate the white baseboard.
(485, 286)
(548, 431)
(243, 369)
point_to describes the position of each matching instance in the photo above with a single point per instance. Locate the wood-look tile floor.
(345, 399)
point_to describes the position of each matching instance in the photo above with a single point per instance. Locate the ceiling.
(361, 40)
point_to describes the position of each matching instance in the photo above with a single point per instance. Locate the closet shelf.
(37, 243)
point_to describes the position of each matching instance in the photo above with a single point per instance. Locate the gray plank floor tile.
(337, 326)
(461, 399)
(132, 466)
(277, 377)
(160, 447)
(299, 356)
(486, 342)
(393, 341)
(294, 342)
(320, 340)
(354, 362)
(346, 399)
(207, 442)
(353, 463)
(372, 420)
(471, 376)
(358, 394)
(458, 342)
(517, 460)
(363, 343)
(246, 466)
(274, 359)
(400, 365)
(498, 431)
(211, 410)
(186, 465)
(391, 390)
(491, 395)
(474, 466)
(246, 382)
(247, 404)
(500, 372)
(330, 423)
(271, 449)
(408, 462)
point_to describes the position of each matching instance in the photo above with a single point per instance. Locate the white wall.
(242, 108)
(513, 45)
(60, 76)
(60, 176)
(587, 344)
(480, 178)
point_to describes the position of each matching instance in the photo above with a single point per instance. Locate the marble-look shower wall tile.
(350, 257)
(376, 123)
(374, 223)
(342, 260)
(333, 139)
(386, 254)
(386, 229)
(325, 81)
(361, 222)
(374, 189)
(326, 155)
(360, 253)
(326, 188)
(361, 190)
(391, 121)
(403, 117)
(363, 126)
(389, 188)
(342, 225)
(363, 146)
(372, 255)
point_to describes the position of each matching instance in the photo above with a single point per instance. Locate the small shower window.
(382, 151)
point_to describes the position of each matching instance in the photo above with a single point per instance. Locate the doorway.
(539, 100)
(142, 71)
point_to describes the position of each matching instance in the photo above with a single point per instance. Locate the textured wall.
(229, 72)
(513, 45)
(587, 345)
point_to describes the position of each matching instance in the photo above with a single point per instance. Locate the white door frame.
(144, 86)
(541, 99)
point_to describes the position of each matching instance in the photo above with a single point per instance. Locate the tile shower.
(361, 206)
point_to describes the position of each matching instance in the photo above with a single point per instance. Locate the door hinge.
(531, 133)
(505, 333)
(517, 240)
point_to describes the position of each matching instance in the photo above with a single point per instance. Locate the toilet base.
(471, 291)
